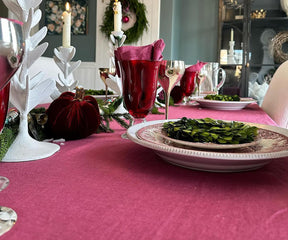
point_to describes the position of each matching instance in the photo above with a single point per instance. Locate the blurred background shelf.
(253, 37)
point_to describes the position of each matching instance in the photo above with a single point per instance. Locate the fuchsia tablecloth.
(105, 187)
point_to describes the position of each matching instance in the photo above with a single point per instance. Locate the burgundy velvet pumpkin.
(73, 115)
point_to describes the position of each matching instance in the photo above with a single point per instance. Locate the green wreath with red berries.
(133, 19)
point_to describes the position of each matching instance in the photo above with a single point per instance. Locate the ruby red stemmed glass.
(139, 80)
(188, 84)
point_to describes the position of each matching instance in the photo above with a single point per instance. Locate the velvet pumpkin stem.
(80, 94)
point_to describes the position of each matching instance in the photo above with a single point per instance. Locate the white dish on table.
(224, 105)
(272, 144)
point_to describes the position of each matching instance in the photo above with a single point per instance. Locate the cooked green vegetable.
(97, 92)
(210, 130)
(221, 97)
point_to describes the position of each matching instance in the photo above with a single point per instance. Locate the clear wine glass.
(170, 73)
(103, 75)
(200, 78)
(8, 216)
(4, 182)
(139, 80)
(11, 53)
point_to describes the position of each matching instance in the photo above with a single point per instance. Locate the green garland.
(132, 34)
(8, 134)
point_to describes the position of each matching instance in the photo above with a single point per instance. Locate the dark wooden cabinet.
(259, 27)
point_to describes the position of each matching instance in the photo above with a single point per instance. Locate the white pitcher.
(210, 85)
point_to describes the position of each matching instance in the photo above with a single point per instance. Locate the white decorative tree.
(63, 57)
(25, 92)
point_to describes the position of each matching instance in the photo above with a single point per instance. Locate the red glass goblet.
(188, 84)
(139, 80)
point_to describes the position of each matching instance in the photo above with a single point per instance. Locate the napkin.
(196, 67)
(148, 52)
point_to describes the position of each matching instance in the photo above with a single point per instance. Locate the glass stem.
(167, 98)
(106, 92)
(138, 120)
(3, 183)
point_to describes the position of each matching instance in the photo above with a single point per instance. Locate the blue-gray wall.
(189, 29)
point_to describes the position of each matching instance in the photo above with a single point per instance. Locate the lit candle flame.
(67, 6)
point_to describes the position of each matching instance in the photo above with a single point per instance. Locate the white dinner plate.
(224, 105)
(272, 144)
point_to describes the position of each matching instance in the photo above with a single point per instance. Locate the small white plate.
(225, 105)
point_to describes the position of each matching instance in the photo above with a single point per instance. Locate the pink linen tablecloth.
(106, 187)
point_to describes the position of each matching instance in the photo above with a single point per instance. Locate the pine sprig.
(6, 139)
(8, 134)
(108, 115)
(117, 118)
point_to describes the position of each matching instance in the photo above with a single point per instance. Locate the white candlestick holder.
(117, 38)
(231, 56)
(62, 58)
(114, 81)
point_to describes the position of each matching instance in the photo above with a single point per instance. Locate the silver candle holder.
(114, 81)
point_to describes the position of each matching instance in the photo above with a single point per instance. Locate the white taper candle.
(66, 35)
